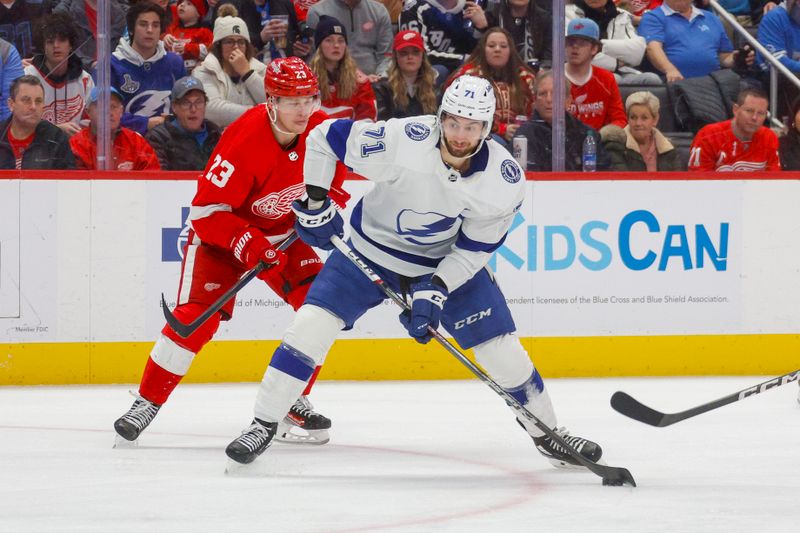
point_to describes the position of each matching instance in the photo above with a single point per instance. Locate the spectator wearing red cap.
(345, 91)
(186, 36)
(497, 60)
(410, 88)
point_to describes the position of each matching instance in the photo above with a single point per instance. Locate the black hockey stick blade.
(611, 475)
(629, 406)
(185, 330)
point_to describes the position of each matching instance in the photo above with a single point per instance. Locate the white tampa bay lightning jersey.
(421, 217)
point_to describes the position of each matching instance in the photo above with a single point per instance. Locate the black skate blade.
(121, 443)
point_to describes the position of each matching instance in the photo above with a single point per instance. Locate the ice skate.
(303, 425)
(245, 448)
(130, 425)
(559, 457)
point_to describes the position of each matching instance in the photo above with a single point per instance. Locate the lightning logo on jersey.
(424, 228)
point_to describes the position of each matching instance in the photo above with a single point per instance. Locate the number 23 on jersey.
(220, 172)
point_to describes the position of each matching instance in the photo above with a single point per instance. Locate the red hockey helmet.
(290, 76)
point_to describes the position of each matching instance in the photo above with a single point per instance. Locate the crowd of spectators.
(183, 70)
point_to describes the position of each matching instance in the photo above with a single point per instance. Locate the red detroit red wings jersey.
(250, 180)
(598, 102)
(717, 148)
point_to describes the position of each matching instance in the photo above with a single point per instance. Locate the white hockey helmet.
(470, 97)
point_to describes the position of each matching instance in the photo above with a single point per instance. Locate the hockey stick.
(185, 330)
(611, 475)
(629, 406)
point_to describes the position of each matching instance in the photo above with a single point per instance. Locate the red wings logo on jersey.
(62, 111)
(276, 204)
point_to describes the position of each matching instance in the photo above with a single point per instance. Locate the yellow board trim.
(404, 359)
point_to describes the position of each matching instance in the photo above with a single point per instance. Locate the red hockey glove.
(251, 246)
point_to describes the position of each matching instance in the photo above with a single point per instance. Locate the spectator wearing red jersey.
(742, 143)
(130, 150)
(496, 59)
(186, 36)
(346, 92)
(596, 100)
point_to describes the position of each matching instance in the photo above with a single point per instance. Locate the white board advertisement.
(583, 258)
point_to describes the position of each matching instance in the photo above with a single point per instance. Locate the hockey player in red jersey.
(241, 212)
(741, 144)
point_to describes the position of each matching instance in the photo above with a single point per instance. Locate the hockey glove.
(426, 309)
(251, 246)
(317, 226)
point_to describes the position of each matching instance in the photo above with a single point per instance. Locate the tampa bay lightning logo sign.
(417, 131)
(424, 228)
(510, 171)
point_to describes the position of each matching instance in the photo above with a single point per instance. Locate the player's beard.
(464, 152)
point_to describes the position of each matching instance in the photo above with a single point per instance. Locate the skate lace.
(575, 442)
(254, 436)
(303, 407)
(141, 412)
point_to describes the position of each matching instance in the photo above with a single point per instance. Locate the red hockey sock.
(157, 384)
(311, 381)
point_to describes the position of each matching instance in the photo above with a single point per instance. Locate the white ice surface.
(419, 456)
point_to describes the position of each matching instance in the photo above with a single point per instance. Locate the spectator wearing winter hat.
(370, 31)
(129, 151)
(66, 84)
(143, 71)
(186, 140)
(344, 90)
(231, 75)
(266, 31)
(186, 36)
(410, 88)
(596, 100)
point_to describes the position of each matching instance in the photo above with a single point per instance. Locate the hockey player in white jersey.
(444, 198)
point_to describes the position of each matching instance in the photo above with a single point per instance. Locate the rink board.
(609, 276)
